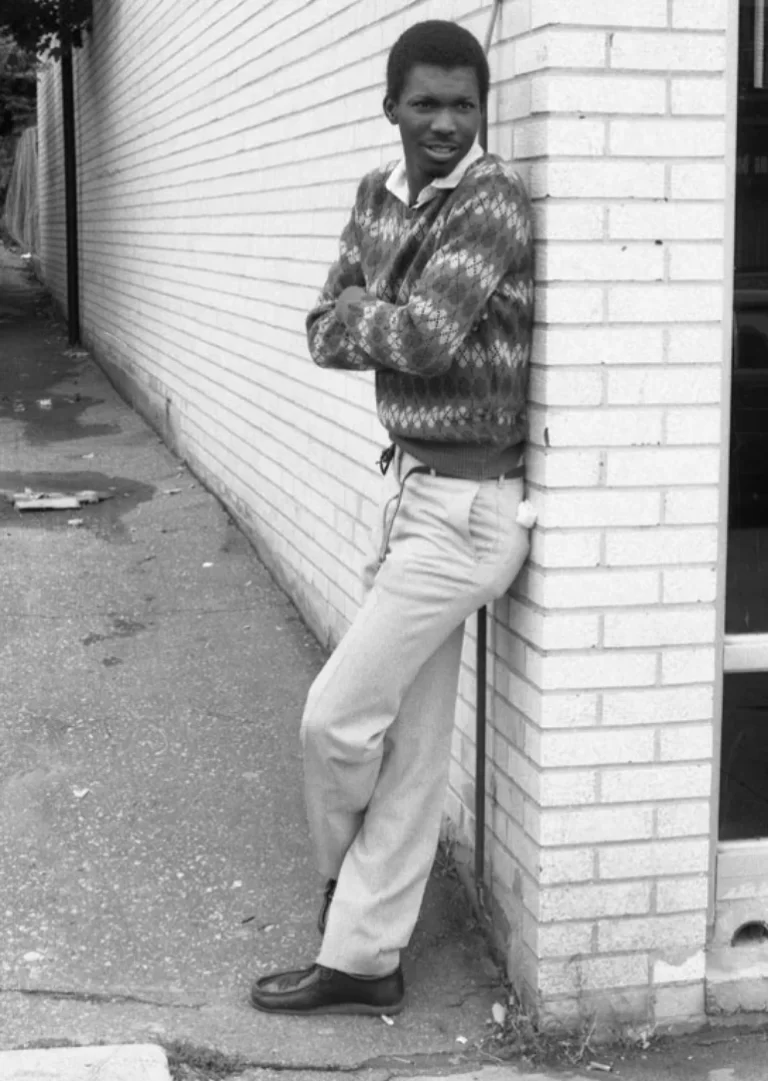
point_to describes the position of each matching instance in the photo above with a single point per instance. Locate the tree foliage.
(45, 25)
(18, 92)
(18, 86)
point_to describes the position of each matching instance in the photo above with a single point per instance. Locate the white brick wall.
(619, 112)
(216, 171)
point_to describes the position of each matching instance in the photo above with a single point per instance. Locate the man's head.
(439, 44)
(437, 89)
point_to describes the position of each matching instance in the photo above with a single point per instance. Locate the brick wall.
(219, 154)
(604, 692)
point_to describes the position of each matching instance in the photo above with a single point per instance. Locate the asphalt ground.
(153, 851)
(154, 856)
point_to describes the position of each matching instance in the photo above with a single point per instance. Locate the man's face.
(439, 117)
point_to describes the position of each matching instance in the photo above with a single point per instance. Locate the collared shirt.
(397, 181)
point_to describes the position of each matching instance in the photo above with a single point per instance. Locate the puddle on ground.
(27, 395)
(104, 518)
(54, 417)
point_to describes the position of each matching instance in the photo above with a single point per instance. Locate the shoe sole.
(341, 1007)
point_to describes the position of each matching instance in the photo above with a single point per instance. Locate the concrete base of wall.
(634, 1014)
(737, 979)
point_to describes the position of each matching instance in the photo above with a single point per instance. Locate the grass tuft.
(188, 1062)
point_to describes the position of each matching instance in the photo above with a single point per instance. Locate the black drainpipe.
(482, 632)
(70, 187)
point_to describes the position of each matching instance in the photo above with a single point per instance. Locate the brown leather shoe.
(319, 990)
(322, 919)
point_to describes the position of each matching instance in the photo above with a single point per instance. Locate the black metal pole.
(480, 726)
(70, 189)
(482, 626)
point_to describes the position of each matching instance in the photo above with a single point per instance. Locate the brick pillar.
(603, 700)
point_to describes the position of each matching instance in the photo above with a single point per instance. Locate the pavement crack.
(98, 997)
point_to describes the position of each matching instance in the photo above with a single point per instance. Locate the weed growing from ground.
(186, 1062)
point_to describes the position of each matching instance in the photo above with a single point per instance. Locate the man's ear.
(390, 109)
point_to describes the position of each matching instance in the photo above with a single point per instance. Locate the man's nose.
(444, 121)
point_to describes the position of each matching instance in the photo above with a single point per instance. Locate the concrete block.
(683, 387)
(588, 346)
(599, 13)
(670, 627)
(605, 587)
(590, 510)
(130, 1062)
(664, 303)
(641, 547)
(700, 505)
(694, 665)
(600, 262)
(574, 548)
(687, 742)
(658, 706)
(679, 1004)
(667, 52)
(603, 179)
(654, 859)
(685, 894)
(598, 93)
(700, 14)
(594, 747)
(658, 933)
(694, 427)
(667, 138)
(641, 220)
(701, 95)
(556, 47)
(697, 180)
(591, 901)
(595, 825)
(655, 783)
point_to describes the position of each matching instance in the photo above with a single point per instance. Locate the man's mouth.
(441, 151)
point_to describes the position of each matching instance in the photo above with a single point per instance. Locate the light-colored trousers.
(378, 723)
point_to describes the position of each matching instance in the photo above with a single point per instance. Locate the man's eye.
(466, 106)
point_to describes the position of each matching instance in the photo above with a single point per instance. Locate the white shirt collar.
(397, 181)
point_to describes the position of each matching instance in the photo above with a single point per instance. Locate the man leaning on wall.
(433, 291)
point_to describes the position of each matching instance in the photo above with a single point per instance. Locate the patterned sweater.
(446, 322)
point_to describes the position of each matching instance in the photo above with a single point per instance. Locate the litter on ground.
(31, 500)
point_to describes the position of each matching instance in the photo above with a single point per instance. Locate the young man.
(433, 291)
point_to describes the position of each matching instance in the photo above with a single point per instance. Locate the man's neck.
(417, 181)
(409, 185)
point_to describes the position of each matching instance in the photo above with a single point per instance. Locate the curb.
(122, 1062)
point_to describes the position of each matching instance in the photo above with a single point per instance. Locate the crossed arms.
(486, 236)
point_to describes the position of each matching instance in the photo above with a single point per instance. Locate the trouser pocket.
(472, 510)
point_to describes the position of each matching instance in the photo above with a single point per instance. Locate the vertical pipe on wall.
(480, 728)
(70, 188)
(759, 71)
(482, 626)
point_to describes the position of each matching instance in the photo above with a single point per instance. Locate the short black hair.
(442, 44)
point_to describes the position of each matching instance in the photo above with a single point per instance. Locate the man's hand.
(351, 295)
